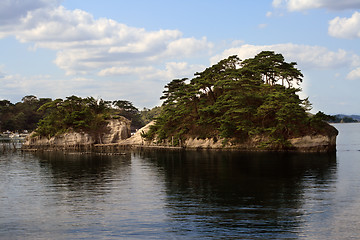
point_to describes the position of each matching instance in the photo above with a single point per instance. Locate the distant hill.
(356, 117)
(346, 118)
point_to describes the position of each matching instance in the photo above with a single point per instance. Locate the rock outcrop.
(63, 140)
(316, 143)
(118, 134)
(320, 142)
(117, 130)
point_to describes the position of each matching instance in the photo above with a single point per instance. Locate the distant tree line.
(344, 119)
(22, 115)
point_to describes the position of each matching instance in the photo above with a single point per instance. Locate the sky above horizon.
(129, 50)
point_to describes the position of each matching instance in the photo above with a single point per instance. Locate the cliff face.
(119, 133)
(320, 142)
(118, 129)
(66, 139)
(317, 143)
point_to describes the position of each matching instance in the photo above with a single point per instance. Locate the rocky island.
(249, 105)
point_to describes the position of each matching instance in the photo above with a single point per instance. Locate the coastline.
(83, 142)
(115, 148)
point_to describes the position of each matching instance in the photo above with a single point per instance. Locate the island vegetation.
(88, 115)
(50, 117)
(236, 100)
(233, 101)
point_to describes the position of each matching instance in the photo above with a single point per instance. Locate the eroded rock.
(118, 129)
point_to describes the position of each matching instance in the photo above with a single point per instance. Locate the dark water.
(183, 195)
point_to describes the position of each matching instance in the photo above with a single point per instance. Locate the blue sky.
(115, 49)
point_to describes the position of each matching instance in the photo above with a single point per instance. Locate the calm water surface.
(183, 195)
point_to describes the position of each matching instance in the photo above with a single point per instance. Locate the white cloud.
(345, 27)
(12, 11)
(172, 70)
(181, 70)
(338, 27)
(126, 71)
(301, 5)
(187, 47)
(355, 74)
(86, 45)
(306, 56)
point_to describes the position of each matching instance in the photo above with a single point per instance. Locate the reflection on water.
(162, 194)
(157, 194)
(242, 194)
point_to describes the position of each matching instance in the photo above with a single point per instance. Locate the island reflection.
(191, 193)
(247, 193)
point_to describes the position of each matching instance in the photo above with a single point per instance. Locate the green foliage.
(50, 117)
(235, 100)
(74, 113)
(128, 110)
(320, 116)
(148, 115)
(319, 120)
(22, 115)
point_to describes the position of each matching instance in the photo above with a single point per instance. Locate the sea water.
(183, 194)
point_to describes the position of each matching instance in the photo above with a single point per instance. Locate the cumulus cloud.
(86, 45)
(172, 70)
(301, 5)
(181, 70)
(126, 71)
(354, 74)
(338, 27)
(306, 56)
(187, 47)
(12, 11)
(345, 27)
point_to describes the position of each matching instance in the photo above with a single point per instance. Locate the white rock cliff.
(119, 134)
(118, 129)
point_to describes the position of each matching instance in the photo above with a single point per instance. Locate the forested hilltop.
(237, 100)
